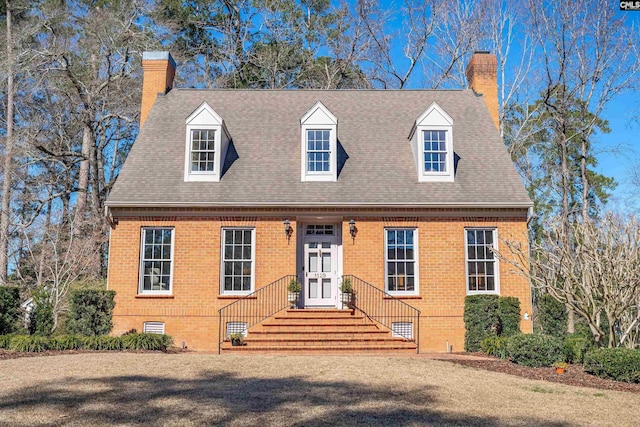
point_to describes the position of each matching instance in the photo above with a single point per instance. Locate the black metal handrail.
(252, 309)
(385, 309)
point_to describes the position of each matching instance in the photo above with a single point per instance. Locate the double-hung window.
(435, 150)
(156, 260)
(318, 151)
(482, 264)
(401, 270)
(238, 260)
(203, 150)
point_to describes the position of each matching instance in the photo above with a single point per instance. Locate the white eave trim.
(507, 205)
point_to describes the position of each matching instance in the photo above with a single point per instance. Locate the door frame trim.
(301, 225)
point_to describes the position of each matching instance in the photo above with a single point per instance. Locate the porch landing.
(320, 331)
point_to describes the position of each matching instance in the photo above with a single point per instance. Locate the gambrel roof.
(375, 161)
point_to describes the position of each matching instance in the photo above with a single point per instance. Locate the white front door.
(321, 271)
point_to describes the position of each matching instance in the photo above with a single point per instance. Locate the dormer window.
(207, 140)
(432, 144)
(203, 150)
(319, 128)
(318, 151)
(435, 150)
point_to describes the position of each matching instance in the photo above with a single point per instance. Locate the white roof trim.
(316, 112)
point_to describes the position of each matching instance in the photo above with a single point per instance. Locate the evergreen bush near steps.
(619, 364)
(91, 312)
(535, 350)
(488, 316)
(9, 309)
(509, 315)
(480, 319)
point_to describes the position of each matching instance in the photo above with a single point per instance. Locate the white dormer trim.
(319, 118)
(434, 118)
(205, 118)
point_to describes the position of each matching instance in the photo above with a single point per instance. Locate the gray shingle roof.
(373, 127)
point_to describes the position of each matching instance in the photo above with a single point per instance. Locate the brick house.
(227, 195)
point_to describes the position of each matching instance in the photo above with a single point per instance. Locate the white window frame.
(319, 118)
(416, 270)
(496, 262)
(205, 118)
(433, 118)
(141, 290)
(215, 152)
(252, 287)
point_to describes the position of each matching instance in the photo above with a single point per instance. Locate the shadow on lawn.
(225, 399)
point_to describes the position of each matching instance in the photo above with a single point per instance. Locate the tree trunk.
(83, 176)
(8, 159)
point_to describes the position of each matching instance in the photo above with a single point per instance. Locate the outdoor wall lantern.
(352, 229)
(288, 230)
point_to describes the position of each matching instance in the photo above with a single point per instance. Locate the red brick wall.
(191, 313)
(442, 274)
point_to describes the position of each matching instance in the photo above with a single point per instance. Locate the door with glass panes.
(321, 271)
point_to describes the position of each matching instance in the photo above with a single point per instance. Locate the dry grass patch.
(199, 389)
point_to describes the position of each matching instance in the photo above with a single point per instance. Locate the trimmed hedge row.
(620, 364)
(34, 343)
(489, 316)
(535, 350)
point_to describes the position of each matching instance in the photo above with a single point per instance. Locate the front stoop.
(320, 331)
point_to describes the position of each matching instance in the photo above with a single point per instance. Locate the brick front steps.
(320, 331)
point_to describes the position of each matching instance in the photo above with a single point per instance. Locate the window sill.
(235, 297)
(403, 297)
(155, 297)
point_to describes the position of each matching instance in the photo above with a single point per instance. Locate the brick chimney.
(482, 77)
(159, 69)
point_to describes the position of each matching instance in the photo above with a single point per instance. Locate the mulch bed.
(575, 374)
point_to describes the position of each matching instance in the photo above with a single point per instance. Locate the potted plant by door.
(348, 295)
(294, 289)
(237, 339)
(560, 367)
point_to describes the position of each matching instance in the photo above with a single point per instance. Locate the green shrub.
(535, 350)
(495, 346)
(41, 317)
(29, 343)
(551, 316)
(4, 341)
(145, 341)
(620, 364)
(9, 309)
(102, 342)
(576, 347)
(509, 315)
(480, 320)
(91, 312)
(65, 342)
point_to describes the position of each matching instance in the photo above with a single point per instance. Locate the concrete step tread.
(321, 348)
(326, 339)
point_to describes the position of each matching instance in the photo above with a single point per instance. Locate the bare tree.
(8, 153)
(596, 275)
(58, 261)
